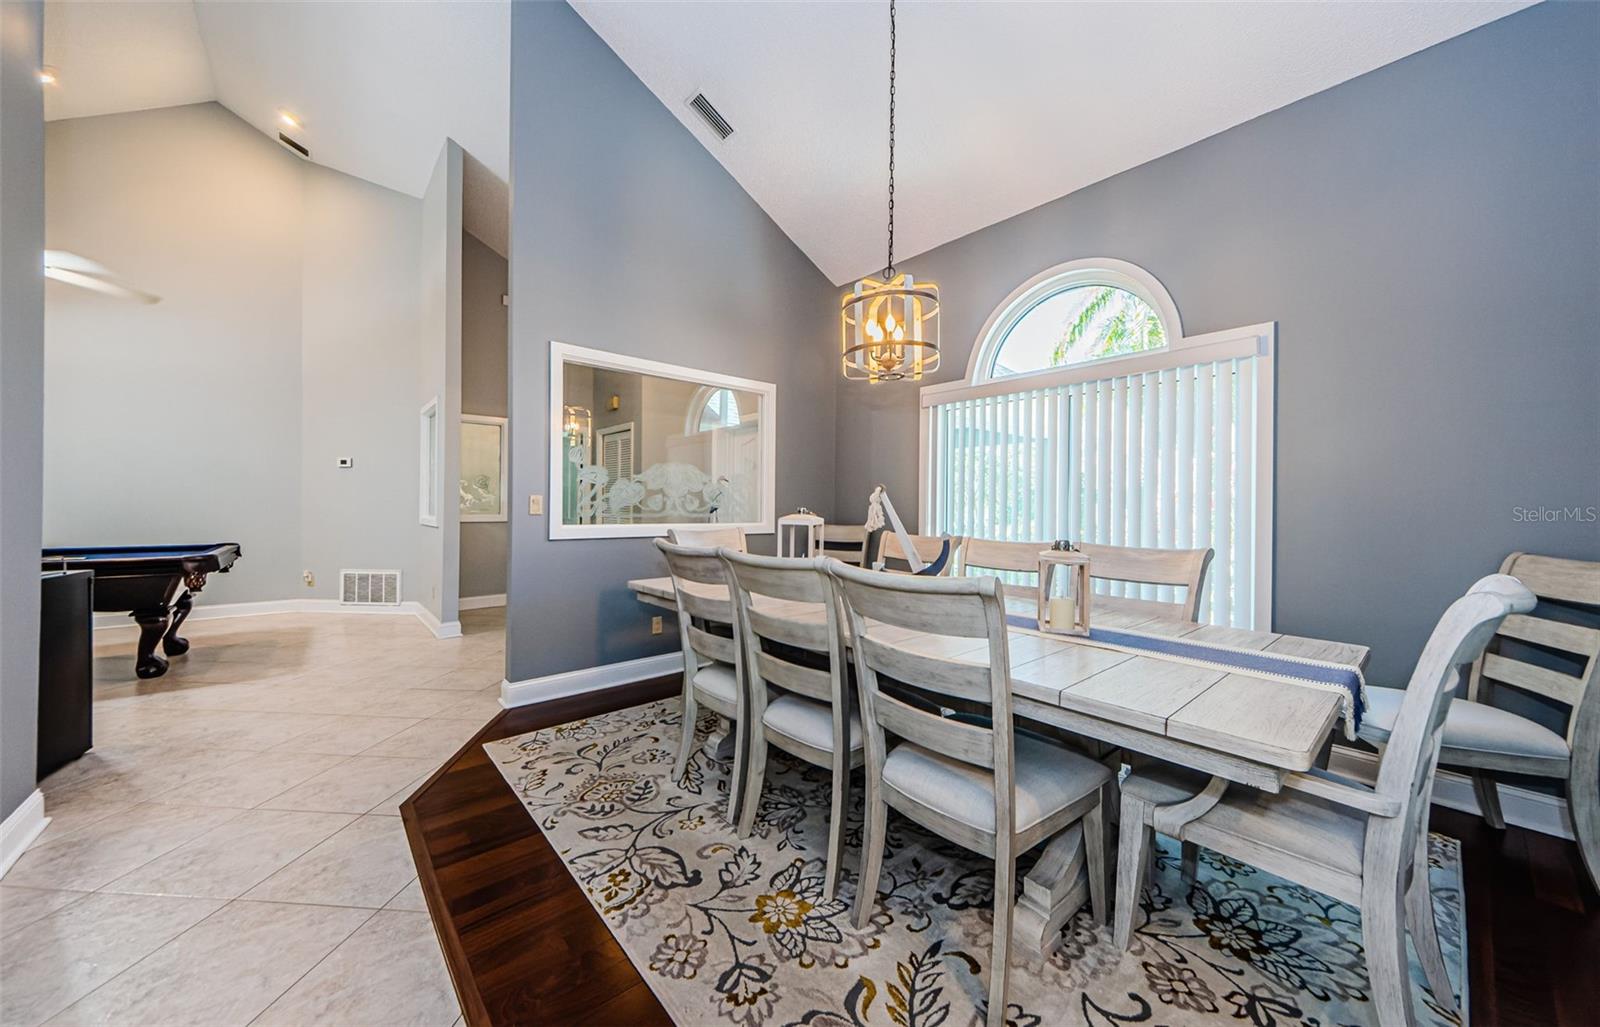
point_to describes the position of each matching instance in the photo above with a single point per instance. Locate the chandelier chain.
(889, 268)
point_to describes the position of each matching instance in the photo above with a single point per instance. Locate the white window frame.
(1258, 340)
(767, 414)
(431, 452)
(1074, 274)
(505, 469)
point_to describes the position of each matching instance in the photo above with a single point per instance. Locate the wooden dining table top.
(1240, 726)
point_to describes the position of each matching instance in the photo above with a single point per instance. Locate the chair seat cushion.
(1048, 779)
(809, 721)
(718, 681)
(1469, 725)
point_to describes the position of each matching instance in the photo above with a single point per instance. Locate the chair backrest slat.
(966, 742)
(712, 536)
(960, 679)
(846, 542)
(807, 681)
(882, 606)
(809, 634)
(1560, 581)
(927, 548)
(712, 647)
(1405, 771)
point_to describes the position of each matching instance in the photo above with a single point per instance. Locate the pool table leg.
(152, 625)
(171, 644)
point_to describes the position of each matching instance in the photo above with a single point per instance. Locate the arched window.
(1076, 313)
(720, 410)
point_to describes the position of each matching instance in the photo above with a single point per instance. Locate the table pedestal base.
(719, 741)
(1054, 890)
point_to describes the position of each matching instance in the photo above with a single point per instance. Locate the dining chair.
(712, 536)
(987, 554)
(713, 664)
(846, 542)
(981, 785)
(1181, 568)
(788, 610)
(1363, 845)
(927, 547)
(1484, 739)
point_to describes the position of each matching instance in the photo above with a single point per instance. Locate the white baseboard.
(482, 602)
(111, 624)
(447, 629)
(19, 830)
(589, 679)
(1535, 811)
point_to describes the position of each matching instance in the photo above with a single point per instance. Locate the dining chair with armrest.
(811, 712)
(713, 663)
(1484, 739)
(981, 785)
(1366, 846)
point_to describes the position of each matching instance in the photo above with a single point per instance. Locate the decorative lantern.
(1064, 592)
(889, 326)
(789, 528)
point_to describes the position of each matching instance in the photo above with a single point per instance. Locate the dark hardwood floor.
(524, 946)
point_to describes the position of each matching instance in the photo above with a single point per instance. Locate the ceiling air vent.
(369, 588)
(715, 120)
(296, 147)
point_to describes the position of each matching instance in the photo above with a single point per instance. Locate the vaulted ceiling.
(376, 86)
(1001, 106)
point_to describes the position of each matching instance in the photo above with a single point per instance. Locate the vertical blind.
(1163, 459)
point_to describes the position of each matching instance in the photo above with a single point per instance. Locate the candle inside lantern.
(1063, 612)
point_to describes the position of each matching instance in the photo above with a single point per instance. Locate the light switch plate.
(535, 506)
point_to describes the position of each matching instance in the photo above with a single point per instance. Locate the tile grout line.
(262, 1011)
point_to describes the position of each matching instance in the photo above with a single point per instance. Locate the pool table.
(144, 580)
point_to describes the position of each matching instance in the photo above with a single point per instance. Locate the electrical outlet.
(347, 462)
(535, 506)
(311, 579)
(655, 625)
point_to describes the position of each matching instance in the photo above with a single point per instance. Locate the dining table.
(1237, 726)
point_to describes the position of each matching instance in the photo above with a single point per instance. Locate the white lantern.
(789, 540)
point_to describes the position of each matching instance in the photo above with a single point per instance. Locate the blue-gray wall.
(626, 235)
(484, 544)
(22, 402)
(1427, 237)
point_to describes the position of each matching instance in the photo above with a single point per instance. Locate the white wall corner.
(1535, 811)
(20, 829)
(589, 679)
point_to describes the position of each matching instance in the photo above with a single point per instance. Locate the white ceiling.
(377, 86)
(1001, 106)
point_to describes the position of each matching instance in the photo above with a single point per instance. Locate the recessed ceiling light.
(48, 76)
(289, 119)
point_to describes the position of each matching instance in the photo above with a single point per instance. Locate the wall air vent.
(718, 124)
(369, 588)
(296, 147)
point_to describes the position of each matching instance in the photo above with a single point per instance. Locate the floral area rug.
(730, 930)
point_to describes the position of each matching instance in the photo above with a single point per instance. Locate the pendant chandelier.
(889, 326)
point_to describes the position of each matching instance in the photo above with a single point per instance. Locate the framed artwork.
(485, 470)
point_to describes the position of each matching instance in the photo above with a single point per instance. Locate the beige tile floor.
(231, 851)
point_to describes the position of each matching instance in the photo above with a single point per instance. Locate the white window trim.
(1258, 340)
(767, 412)
(505, 470)
(1071, 275)
(431, 446)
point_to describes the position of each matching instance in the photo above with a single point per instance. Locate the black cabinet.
(66, 668)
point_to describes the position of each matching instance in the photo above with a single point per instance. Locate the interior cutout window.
(1075, 325)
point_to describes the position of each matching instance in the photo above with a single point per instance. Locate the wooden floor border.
(524, 946)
